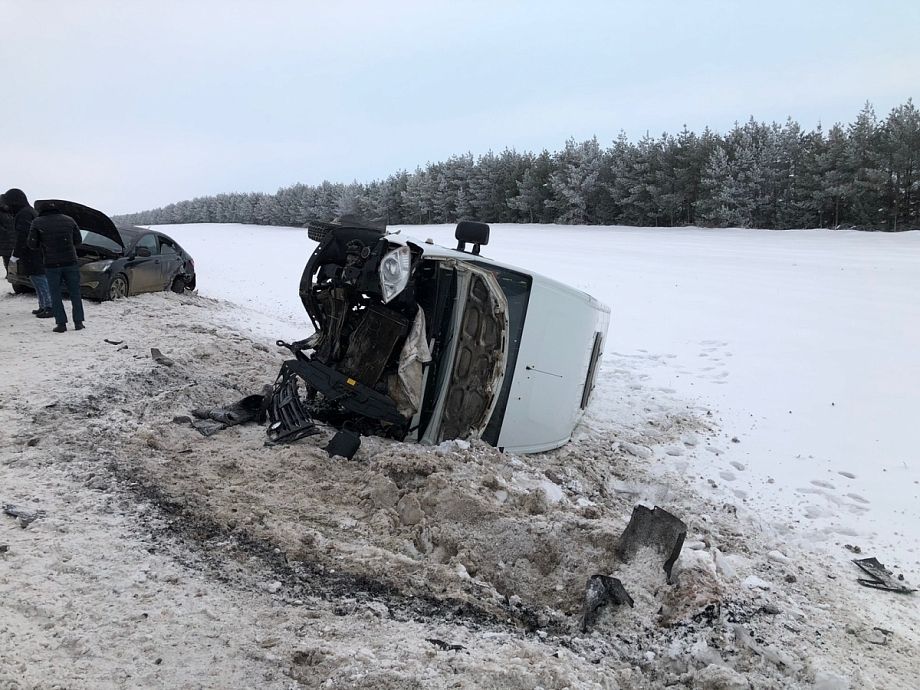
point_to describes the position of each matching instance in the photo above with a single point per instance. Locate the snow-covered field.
(760, 385)
(804, 345)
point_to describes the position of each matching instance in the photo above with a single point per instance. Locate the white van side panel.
(544, 403)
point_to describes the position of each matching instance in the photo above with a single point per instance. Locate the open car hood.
(87, 218)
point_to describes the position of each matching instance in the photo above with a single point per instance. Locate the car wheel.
(118, 288)
(20, 289)
(179, 285)
(317, 234)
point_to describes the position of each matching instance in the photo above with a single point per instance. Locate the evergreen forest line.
(863, 175)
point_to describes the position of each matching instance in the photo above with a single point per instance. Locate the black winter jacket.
(7, 233)
(56, 235)
(30, 260)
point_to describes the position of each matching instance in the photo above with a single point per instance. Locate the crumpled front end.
(405, 347)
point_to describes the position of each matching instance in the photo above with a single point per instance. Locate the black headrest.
(472, 231)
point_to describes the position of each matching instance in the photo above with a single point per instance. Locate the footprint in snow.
(740, 466)
(714, 451)
(727, 476)
(675, 452)
(740, 493)
(667, 390)
(858, 498)
(813, 512)
(823, 484)
(848, 475)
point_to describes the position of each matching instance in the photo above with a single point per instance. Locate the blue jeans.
(40, 283)
(69, 276)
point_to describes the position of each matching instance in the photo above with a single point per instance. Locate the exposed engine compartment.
(404, 346)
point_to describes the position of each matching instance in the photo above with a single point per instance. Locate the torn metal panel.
(657, 529)
(413, 357)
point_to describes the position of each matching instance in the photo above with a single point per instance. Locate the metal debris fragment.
(24, 517)
(445, 646)
(160, 358)
(880, 577)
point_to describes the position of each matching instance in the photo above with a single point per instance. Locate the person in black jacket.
(57, 235)
(30, 261)
(7, 235)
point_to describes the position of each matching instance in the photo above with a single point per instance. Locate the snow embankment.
(803, 345)
(163, 557)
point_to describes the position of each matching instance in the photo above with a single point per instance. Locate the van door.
(472, 371)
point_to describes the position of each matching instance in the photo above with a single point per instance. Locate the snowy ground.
(169, 559)
(803, 344)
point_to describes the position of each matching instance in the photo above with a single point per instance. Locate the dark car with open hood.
(117, 261)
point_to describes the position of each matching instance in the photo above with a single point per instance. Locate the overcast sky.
(131, 105)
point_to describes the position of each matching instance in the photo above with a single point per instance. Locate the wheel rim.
(119, 288)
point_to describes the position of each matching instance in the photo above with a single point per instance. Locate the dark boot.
(60, 328)
(44, 313)
(78, 326)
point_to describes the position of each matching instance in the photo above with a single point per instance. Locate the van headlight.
(394, 272)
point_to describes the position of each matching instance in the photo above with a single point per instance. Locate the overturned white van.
(423, 343)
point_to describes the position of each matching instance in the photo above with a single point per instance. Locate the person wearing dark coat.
(57, 235)
(7, 235)
(30, 262)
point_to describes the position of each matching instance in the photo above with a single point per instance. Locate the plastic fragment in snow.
(657, 529)
(599, 591)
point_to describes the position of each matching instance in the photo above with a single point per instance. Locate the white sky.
(131, 105)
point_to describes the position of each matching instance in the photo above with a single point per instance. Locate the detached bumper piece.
(288, 418)
(330, 397)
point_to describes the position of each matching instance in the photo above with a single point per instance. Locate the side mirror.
(473, 232)
(142, 252)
